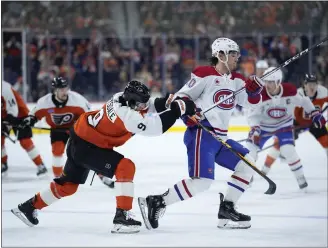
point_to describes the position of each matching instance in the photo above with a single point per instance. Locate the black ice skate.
(227, 213)
(41, 170)
(124, 223)
(155, 206)
(4, 168)
(27, 213)
(302, 182)
(107, 181)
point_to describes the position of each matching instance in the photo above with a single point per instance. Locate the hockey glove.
(189, 122)
(184, 105)
(11, 120)
(254, 135)
(317, 119)
(254, 86)
(28, 121)
(5, 128)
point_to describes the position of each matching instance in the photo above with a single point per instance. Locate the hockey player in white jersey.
(274, 117)
(208, 85)
(318, 94)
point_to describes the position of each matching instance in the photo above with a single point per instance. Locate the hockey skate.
(227, 213)
(155, 209)
(107, 181)
(41, 170)
(4, 169)
(27, 213)
(124, 223)
(302, 183)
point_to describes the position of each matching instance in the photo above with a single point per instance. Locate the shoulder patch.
(237, 75)
(289, 89)
(204, 71)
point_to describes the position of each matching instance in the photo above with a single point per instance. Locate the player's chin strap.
(287, 62)
(225, 62)
(272, 186)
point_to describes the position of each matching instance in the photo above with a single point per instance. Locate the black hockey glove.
(184, 106)
(28, 121)
(11, 120)
(5, 128)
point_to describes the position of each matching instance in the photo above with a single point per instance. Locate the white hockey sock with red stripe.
(186, 189)
(239, 180)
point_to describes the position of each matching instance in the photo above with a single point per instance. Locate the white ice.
(287, 218)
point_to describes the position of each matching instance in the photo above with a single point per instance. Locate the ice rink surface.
(287, 218)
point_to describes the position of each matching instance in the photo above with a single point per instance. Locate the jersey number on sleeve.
(94, 120)
(142, 126)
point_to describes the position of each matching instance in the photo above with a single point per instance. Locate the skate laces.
(159, 213)
(129, 215)
(35, 214)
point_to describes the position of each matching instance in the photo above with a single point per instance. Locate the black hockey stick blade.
(272, 187)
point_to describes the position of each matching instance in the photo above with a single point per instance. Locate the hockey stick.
(287, 62)
(272, 186)
(49, 129)
(8, 136)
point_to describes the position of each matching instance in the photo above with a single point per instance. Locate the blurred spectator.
(77, 40)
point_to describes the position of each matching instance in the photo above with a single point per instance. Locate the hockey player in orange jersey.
(319, 97)
(60, 109)
(91, 147)
(13, 111)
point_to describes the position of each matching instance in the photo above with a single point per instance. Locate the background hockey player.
(208, 85)
(261, 66)
(274, 117)
(319, 97)
(91, 147)
(13, 111)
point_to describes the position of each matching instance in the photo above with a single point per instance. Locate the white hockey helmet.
(276, 76)
(224, 45)
(262, 64)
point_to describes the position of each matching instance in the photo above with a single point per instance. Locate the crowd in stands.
(80, 43)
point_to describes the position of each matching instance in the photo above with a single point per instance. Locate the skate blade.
(142, 205)
(109, 183)
(21, 216)
(43, 176)
(119, 228)
(227, 224)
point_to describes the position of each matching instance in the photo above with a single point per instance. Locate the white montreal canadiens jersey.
(276, 112)
(206, 87)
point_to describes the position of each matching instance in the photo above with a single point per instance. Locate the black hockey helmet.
(59, 82)
(136, 92)
(310, 78)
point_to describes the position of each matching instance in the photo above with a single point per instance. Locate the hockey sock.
(186, 189)
(239, 180)
(124, 187)
(31, 150)
(53, 194)
(4, 156)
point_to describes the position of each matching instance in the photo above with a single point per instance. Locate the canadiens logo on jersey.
(277, 113)
(221, 95)
(62, 119)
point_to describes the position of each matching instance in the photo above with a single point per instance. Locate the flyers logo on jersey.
(220, 95)
(277, 113)
(62, 119)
